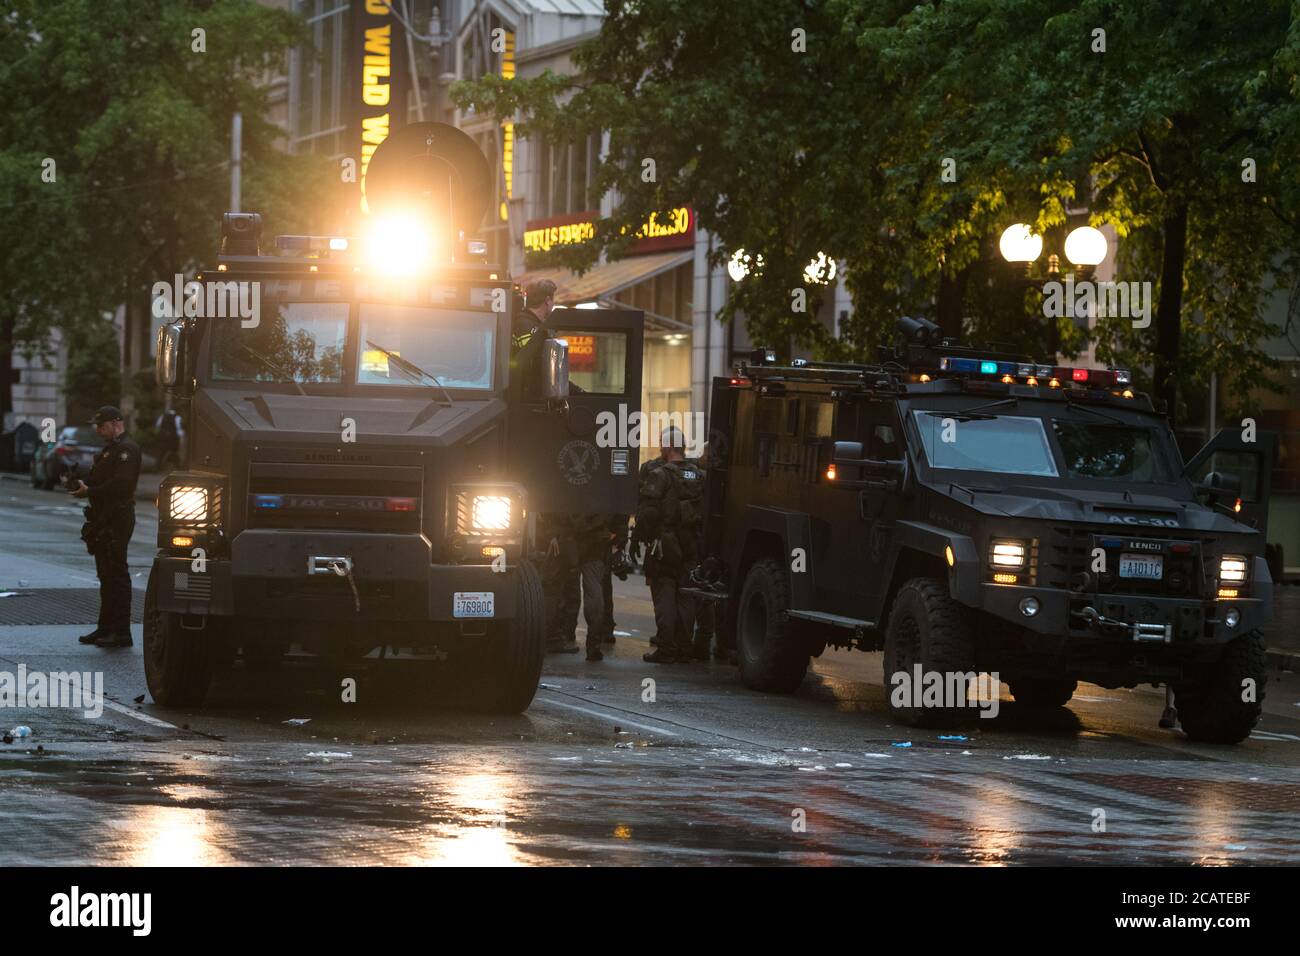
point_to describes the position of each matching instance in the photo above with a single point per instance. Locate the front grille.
(1067, 561)
(375, 498)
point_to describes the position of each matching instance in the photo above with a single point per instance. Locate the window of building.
(317, 84)
(565, 176)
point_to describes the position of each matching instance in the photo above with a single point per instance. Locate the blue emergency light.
(1052, 375)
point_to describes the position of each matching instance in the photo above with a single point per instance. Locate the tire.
(1210, 707)
(1040, 693)
(177, 662)
(926, 627)
(514, 664)
(772, 653)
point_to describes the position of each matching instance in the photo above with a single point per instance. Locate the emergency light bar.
(322, 245)
(1009, 371)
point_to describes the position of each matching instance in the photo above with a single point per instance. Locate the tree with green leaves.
(114, 152)
(901, 138)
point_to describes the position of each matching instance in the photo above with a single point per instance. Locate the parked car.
(76, 446)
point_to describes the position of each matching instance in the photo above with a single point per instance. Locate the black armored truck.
(975, 512)
(370, 446)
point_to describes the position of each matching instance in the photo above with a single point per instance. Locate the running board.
(834, 620)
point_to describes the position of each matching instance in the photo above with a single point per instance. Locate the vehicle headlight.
(1007, 554)
(188, 504)
(490, 513)
(1232, 567)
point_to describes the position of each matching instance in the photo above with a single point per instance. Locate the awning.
(604, 283)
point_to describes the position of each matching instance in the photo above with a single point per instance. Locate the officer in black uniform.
(528, 331)
(615, 563)
(561, 584)
(110, 520)
(671, 549)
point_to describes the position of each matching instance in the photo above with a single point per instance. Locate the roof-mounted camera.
(240, 232)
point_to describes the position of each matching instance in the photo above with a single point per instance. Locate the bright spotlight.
(399, 245)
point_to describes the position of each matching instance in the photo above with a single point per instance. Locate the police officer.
(591, 534)
(528, 330)
(693, 496)
(617, 528)
(671, 549)
(561, 588)
(110, 520)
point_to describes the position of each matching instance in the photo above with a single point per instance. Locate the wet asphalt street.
(595, 772)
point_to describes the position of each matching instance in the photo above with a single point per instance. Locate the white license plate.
(473, 604)
(1151, 567)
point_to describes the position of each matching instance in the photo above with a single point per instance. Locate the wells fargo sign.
(675, 231)
(582, 352)
(378, 85)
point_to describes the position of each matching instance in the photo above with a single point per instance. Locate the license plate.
(473, 604)
(1151, 567)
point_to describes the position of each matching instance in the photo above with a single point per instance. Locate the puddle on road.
(179, 804)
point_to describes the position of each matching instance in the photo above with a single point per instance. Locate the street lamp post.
(1085, 248)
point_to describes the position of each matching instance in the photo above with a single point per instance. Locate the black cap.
(106, 414)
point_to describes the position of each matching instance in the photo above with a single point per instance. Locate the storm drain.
(58, 606)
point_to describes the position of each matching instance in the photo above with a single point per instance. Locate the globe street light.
(1018, 244)
(1086, 247)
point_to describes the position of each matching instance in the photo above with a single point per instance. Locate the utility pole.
(236, 152)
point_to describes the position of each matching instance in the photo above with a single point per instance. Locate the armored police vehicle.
(366, 457)
(971, 512)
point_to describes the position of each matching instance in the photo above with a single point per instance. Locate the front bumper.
(267, 576)
(1128, 618)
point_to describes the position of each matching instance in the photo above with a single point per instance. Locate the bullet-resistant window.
(1005, 444)
(597, 361)
(293, 342)
(1103, 450)
(408, 345)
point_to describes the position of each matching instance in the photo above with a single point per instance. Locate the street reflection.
(484, 804)
(999, 832)
(174, 836)
(1215, 828)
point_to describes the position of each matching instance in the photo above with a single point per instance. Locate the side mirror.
(879, 474)
(1221, 483)
(167, 355)
(847, 452)
(555, 369)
